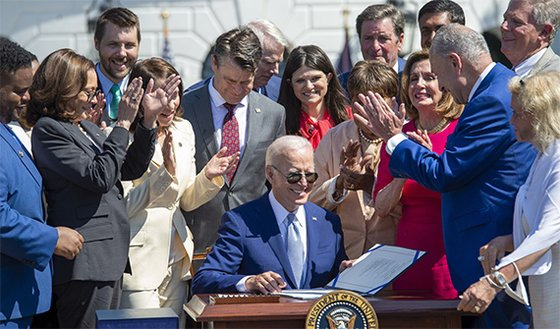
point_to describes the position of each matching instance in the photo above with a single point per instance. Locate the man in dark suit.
(226, 112)
(381, 32)
(279, 240)
(27, 242)
(481, 168)
(527, 30)
(117, 39)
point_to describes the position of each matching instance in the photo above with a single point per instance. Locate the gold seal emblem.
(341, 309)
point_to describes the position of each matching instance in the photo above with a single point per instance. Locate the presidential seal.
(341, 309)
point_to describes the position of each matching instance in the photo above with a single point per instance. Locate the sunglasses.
(295, 177)
(91, 94)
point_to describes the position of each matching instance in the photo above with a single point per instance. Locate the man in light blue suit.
(482, 167)
(256, 250)
(27, 243)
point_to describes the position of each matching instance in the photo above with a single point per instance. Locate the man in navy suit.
(256, 252)
(381, 32)
(481, 168)
(27, 242)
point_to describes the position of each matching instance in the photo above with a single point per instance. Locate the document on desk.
(376, 269)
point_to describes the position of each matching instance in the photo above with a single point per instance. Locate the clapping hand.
(156, 100)
(130, 102)
(381, 119)
(94, 113)
(221, 164)
(355, 171)
(168, 153)
(421, 137)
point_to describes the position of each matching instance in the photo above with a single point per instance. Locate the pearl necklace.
(435, 129)
(369, 140)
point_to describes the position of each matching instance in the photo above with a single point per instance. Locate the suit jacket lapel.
(271, 231)
(81, 139)
(93, 132)
(18, 148)
(203, 111)
(254, 124)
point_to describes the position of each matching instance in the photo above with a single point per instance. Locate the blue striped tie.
(294, 247)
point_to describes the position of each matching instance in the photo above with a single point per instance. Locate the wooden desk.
(392, 312)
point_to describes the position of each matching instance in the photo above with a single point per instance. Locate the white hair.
(284, 145)
(547, 12)
(266, 29)
(456, 38)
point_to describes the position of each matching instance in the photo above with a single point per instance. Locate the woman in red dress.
(433, 116)
(310, 92)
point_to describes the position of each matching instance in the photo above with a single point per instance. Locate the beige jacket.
(153, 203)
(360, 226)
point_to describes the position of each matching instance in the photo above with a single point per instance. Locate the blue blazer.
(478, 175)
(27, 243)
(250, 243)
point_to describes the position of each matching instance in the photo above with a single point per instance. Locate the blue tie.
(114, 106)
(294, 247)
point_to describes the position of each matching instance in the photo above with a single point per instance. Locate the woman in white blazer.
(161, 245)
(533, 248)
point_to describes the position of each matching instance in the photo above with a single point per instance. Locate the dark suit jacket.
(478, 175)
(83, 191)
(265, 123)
(27, 243)
(250, 243)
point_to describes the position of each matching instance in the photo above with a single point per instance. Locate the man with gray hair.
(381, 32)
(481, 168)
(226, 111)
(279, 240)
(528, 28)
(273, 43)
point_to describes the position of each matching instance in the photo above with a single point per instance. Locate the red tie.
(230, 135)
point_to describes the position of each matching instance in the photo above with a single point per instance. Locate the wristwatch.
(500, 279)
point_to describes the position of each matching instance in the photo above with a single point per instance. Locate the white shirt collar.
(217, 99)
(396, 66)
(281, 213)
(522, 69)
(480, 79)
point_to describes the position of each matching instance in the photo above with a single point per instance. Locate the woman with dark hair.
(161, 245)
(82, 172)
(433, 116)
(311, 94)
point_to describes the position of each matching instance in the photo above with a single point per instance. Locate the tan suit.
(360, 226)
(153, 203)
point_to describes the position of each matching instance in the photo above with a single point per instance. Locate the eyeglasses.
(295, 177)
(91, 94)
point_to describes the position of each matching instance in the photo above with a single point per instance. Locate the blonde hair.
(446, 105)
(539, 97)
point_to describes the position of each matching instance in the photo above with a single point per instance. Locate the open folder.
(372, 272)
